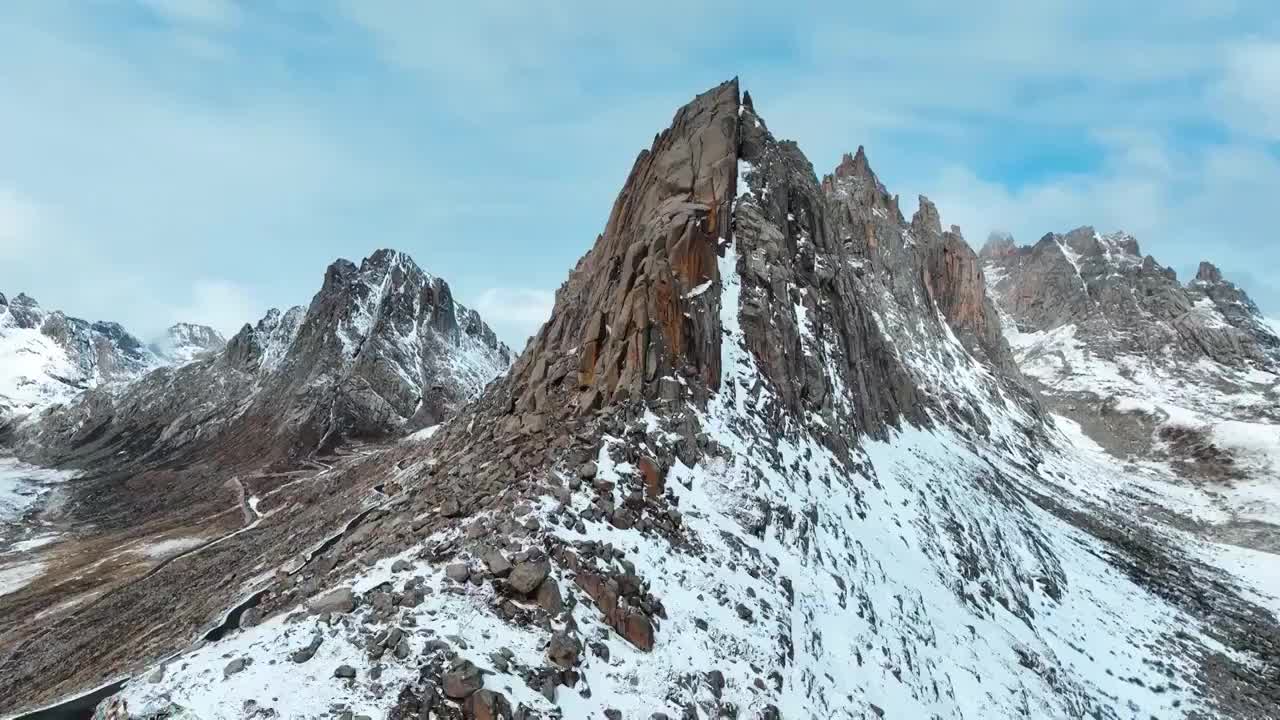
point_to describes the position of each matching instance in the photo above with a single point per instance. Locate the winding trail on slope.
(82, 705)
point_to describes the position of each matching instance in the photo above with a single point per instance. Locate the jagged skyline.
(203, 160)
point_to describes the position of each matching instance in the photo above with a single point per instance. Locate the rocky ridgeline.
(1125, 302)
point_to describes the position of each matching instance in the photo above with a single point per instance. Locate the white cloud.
(1212, 203)
(223, 306)
(1130, 191)
(515, 314)
(1249, 90)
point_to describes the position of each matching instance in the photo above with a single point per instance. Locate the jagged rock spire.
(861, 182)
(1208, 272)
(634, 315)
(855, 165)
(926, 220)
(998, 244)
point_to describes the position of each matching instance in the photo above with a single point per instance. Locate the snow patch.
(165, 548)
(15, 577)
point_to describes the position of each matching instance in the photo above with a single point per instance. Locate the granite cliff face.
(632, 319)
(770, 457)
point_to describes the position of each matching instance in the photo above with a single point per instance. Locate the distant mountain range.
(47, 356)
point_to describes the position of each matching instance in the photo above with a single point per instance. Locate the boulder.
(235, 666)
(463, 679)
(564, 649)
(309, 651)
(527, 576)
(497, 563)
(342, 600)
(486, 705)
(549, 597)
(457, 572)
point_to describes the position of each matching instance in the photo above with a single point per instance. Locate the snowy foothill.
(198, 681)
(1205, 396)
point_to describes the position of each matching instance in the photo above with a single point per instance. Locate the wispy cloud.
(222, 305)
(1249, 89)
(219, 14)
(515, 314)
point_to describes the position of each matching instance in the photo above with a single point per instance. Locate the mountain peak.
(765, 408)
(1208, 272)
(633, 315)
(998, 244)
(185, 341)
(926, 218)
(382, 349)
(854, 178)
(855, 165)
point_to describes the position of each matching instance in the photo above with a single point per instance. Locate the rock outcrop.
(634, 319)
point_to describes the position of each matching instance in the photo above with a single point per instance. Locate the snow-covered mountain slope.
(769, 458)
(194, 462)
(184, 342)
(382, 349)
(1186, 377)
(47, 358)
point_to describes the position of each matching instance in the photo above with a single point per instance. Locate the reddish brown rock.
(655, 477)
(486, 705)
(629, 314)
(630, 623)
(952, 276)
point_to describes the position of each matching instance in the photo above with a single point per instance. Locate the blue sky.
(204, 160)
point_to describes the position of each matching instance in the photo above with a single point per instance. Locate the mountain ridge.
(771, 456)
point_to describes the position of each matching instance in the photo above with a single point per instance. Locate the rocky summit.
(778, 452)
